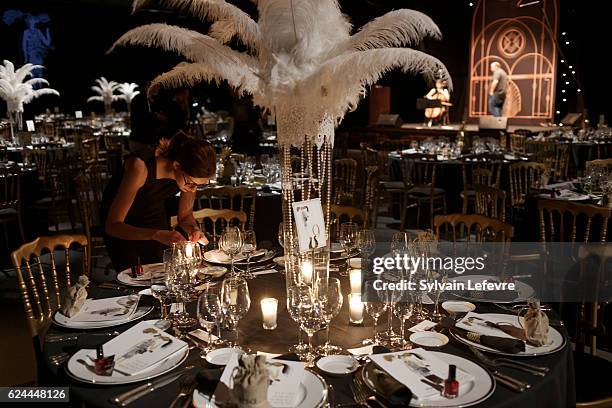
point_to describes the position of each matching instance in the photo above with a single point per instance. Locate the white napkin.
(479, 326)
(108, 309)
(361, 351)
(399, 367)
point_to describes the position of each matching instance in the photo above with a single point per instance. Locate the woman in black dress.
(133, 208)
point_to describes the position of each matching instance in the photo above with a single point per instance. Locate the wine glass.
(329, 296)
(212, 303)
(440, 278)
(231, 242)
(249, 246)
(311, 320)
(348, 240)
(294, 294)
(399, 243)
(403, 310)
(366, 242)
(160, 291)
(236, 301)
(375, 307)
(207, 320)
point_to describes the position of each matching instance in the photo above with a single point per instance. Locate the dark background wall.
(83, 30)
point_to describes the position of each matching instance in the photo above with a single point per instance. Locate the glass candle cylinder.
(307, 269)
(355, 278)
(355, 308)
(269, 308)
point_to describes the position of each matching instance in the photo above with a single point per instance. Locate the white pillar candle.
(269, 307)
(355, 277)
(356, 308)
(307, 269)
(188, 250)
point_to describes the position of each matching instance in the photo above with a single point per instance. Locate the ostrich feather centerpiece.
(302, 64)
(105, 93)
(17, 90)
(128, 92)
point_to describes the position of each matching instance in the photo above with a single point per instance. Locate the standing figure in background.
(497, 90)
(436, 116)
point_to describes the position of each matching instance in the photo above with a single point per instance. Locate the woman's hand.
(168, 237)
(196, 235)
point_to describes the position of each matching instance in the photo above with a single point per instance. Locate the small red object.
(451, 385)
(139, 270)
(103, 365)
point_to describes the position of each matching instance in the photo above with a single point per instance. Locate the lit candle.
(355, 277)
(356, 308)
(269, 307)
(188, 250)
(307, 270)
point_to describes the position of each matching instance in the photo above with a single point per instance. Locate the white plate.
(458, 306)
(524, 290)
(475, 392)
(125, 276)
(80, 372)
(566, 196)
(338, 365)
(313, 393)
(429, 339)
(63, 321)
(556, 339)
(218, 257)
(221, 356)
(214, 271)
(146, 292)
(336, 247)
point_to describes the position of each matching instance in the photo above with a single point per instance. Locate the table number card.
(78, 114)
(30, 125)
(310, 224)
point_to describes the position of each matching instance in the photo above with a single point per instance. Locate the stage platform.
(472, 128)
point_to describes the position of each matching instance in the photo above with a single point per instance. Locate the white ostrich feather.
(309, 69)
(243, 26)
(128, 91)
(105, 91)
(16, 90)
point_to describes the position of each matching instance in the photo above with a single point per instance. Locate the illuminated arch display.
(522, 40)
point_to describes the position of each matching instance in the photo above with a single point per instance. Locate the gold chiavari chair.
(554, 156)
(89, 151)
(345, 213)
(230, 198)
(419, 172)
(372, 195)
(490, 202)
(42, 288)
(479, 169)
(475, 228)
(10, 202)
(566, 221)
(213, 222)
(601, 164)
(522, 177)
(88, 203)
(344, 181)
(517, 142)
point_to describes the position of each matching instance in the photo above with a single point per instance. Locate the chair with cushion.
(476, 228)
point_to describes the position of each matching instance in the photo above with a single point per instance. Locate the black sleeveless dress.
(147, 211)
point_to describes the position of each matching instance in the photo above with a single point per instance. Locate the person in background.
(497, 89)
(133, 211)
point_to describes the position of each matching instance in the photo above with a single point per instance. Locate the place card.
(203, 335)
(30, 125)
(284, 389)
(78, 114)
(310, 224)
(100, 310)
(423, 326)
(410, 366)
(140, 348)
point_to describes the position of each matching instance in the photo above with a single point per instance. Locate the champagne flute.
(441, 279)
(329, 296)
(231, 242)
(348, 240)
(236, 301)
(249, 246)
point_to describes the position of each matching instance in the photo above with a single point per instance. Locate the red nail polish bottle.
(139, 270)
(451, 385)
(103, 365)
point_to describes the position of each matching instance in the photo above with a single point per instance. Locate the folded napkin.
(477, 331)
(218, 256)
(76, 297)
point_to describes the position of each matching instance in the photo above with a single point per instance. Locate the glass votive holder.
(355, 278)
(355, 308)
(269, 310)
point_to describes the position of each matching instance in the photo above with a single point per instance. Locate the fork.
(358, 396)
(503, 362)
(187, 385)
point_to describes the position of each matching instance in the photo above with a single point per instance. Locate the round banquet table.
(555, 390)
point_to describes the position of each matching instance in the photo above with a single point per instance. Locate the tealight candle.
(269, 307)
(307, 270)
(355, 308)
(355, 278)
(188, 250)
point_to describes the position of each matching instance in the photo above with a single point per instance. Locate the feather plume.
(243, 26)
(105, 91)
(128, 91)
(16, 90)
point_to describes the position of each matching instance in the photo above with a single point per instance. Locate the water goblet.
(236, 301)
(328, 293)
(249, 246)
(231, 242)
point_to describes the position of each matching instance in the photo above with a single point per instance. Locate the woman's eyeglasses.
(190, 183)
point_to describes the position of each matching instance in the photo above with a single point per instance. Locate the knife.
(134, 394)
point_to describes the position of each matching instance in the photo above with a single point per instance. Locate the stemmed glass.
(177, 282)
(403, 309)
(309, 315)
(375, 307)
(207, 319)
(366, 242)
(236, 301)
(348, 240)
(159, 290)
(231, 242)
(441, 279)
(329, 297)
(249, 247)
(294, 294)
(399, 246)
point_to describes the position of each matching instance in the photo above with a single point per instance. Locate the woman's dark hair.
(196, 157)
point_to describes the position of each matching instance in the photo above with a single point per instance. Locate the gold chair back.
(42, 297)
(230, 198)
(345, 213)
(344, 182)
(604, 164)
(371, 195)
(490, 202)
(522, 177)
(517, 142)
(214, 221)
(472, 228)
(566, 221)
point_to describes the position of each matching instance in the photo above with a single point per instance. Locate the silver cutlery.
(504, 362)
(363, 394)
(508, 384)
(56, 338)
(134, 394)
(59, 358)
(188, 383)
(504, 377)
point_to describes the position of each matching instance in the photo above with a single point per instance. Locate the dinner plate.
(80, 367)
(429, 339)
(125, 276)
(338, 364)
(313, 393)
(221, 356)
(64, 321)
(214, 271)
(567, 196)
(524, 291)
(218, 257)
(458, 306)
(336, 247)
(556, 339)
(478, 390)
